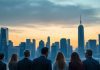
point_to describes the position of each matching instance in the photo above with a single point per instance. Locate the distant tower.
(22, 49)
(63, 46)
(48, 43)
(28, 44)
(41, 45)
(99, 40)
(69, 48)
(99, 45)
(81, 39)
(4, 42)
(92, 46)
(33, 48)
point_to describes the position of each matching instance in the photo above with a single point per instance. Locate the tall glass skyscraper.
(4, 42)
(81, 39)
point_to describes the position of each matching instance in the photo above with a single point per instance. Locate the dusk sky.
(38, 19)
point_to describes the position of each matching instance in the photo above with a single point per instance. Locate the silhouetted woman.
(13, 62)
(60, 63)
(75, 62)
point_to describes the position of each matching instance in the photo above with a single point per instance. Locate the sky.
(38, 19)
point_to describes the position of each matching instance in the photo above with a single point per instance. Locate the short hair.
(26, 53)
(1, 56)
(89, 52)
(44, 50)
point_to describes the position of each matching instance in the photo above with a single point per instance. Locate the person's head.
(60, 57)
(14, 58)
(75, 57)
(27, 53)
(1, 56)
(88, 53)
(45, 51)
(60, 60)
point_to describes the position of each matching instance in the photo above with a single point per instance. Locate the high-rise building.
(99, 45)
(92, 46)
(10, 48)
(33, 48)
(4, 42)
(69, 48)
(28, 44)
(63, 46)
(41, 45)
(22, 49)
(99, 39)
(48, 43)
(54, 50)
(81, 39)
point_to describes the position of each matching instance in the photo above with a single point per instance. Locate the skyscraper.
(63, 46)
(28, 44)
(48, 43)
(81, 39)
(54, 50)
(99, 39)
(4, 42)
(41, 45)
(69, 48)
(92, 46)
(33, 48)
(22, 48)
(99, 45)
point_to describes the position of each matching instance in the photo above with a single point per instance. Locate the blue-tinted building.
(48, 43)
(10, 48)
(92, 46)
(41, 45)
(69, 48)
(4, 42)
(22, 49)
(63, 46)
(54, 50)
(99, 44)
(33, 48)
(81, 39)
(28, 44)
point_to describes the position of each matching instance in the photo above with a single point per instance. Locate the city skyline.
(55, 37)
(64, 45)
(55, 18)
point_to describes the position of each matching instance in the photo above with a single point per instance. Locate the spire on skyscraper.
(80, 20)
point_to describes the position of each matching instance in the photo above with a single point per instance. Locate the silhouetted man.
(90, 63)
(26, 63)
(42, 63)
(2, 65)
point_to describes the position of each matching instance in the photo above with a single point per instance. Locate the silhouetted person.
(2, 65)
(42, 63)
(13, 62)
(60, 63)
(26, 63)
(75, 62)
(90, 63)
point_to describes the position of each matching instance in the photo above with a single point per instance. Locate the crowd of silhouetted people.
(42, 63)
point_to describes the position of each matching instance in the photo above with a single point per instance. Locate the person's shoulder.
(86, 61)
(49, 61)
(35, 59)
(20, 61)
(97, 62)
(4, 63)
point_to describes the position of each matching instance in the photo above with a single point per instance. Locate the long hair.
(75, 58)
(60, 60)
(14, 58)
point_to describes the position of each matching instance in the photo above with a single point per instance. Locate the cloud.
(22, 12)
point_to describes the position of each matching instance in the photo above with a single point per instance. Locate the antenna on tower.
(80, 20)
